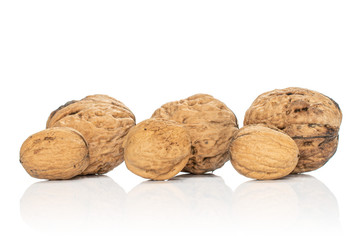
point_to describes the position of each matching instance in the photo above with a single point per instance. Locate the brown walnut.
(103, 121)
(310, 118)
(157, 149)
(55, 153)
(261, 152)
(211, 125)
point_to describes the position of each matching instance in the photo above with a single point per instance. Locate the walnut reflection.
(198, 201)
(82, 203)
(298, 204)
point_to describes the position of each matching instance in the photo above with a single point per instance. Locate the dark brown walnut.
(55, 153)
(211, 125)
(103, 121)
(157, 149)
(310, 118)
(262, 152)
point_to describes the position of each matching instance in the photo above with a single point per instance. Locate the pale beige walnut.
(55, 153)
(103, 121)
(261, 152)
(157, 149)
(211, 125)
(310, 118)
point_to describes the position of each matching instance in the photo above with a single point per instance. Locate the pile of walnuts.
(285, 131)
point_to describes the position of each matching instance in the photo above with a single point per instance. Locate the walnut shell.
(103, 121)
(55, 153)
(157, 149)
(261, 153)
(310, 118)
(211, 125)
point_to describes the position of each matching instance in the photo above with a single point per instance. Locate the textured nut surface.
(211, 125)
(157, 149)
(310, 118)
(263, 153)
(55, 153)
(103, 121)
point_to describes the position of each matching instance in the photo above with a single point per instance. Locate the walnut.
(261, 152)
(157, 149)
(310, 118)
(103, 121)
(55, 153)
(211, 125)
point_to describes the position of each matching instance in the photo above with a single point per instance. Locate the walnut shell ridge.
(55, 153)
(211, 125)
(157, 149)
(263, 153)
(310, 118)
(103, 121)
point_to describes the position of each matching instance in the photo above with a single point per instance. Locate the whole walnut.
(211, 125)
(157, 149)
(310, 118)
(263, 153)
(55, 153)
(103, 121)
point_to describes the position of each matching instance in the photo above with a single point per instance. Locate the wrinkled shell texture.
(55, 153)
(310, 118)
(262, 153)
(103, 121)
(211, 125)
(157, 149)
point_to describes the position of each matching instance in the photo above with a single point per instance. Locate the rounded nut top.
(55, 153)
(261, 152)
(103, 121)
(157, 149)
(310, 118)
(211, 125)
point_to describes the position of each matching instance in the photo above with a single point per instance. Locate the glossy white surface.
(196, 204)
(146, 53)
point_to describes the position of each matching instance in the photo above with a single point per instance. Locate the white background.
(146, 53)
